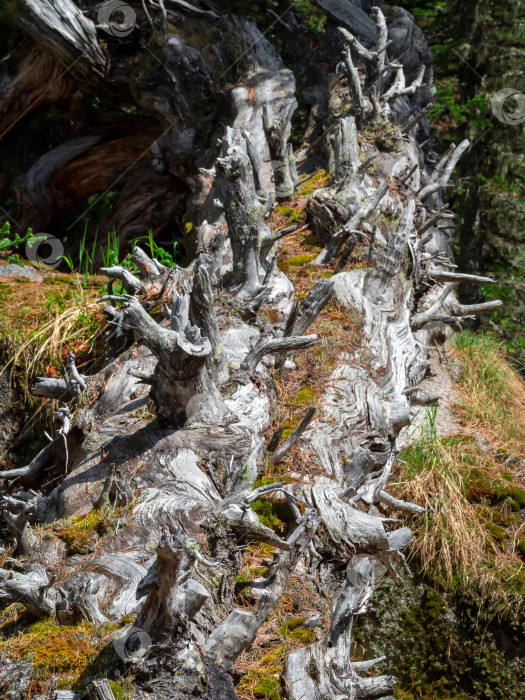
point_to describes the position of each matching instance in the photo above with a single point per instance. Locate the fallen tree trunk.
(204, 348)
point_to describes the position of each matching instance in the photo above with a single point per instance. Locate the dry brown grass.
(40, 322)
(493, 393)
(471, 538)
(462, 540)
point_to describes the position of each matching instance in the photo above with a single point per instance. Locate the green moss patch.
(435, 646)
(264, 681)
(293, 630)
(274, 513)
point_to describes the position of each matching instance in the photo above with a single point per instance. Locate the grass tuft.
(493, 392)
(40, 322)
(471, 537)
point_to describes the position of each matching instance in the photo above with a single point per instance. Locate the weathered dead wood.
(423, 398)
(31, 588)
(277, 129)
(266, 347)
(324, 669)
(348, 529)
(458, 277)
(19, 511)
(473, 309)
(419, 320)
(330, 207)
(304, 314)
(31, 79)
(452, 315)
(411, 123)
(374, 103)
(399, 87)
(51, 388)
(365, 210)
(163, 611)
(441, 213)
(99, 689)
(398, 504)
(237, 632)
(149, 267)
(77, 379)
(244, 213)
(210, 242)
(354, 84)
(309, 309)
(65, 389)
(180, 374)
(131, 284)
(183, 473)
(127, 575)
(290, 441)
(443, 171)
(67, 33)
(203, 315)
(247, 526)
(346, 151)
(55, 452)
(81, 603)
(379, 277)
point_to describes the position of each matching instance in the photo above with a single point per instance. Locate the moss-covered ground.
(60, 655)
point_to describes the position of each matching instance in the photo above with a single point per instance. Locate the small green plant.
(85, 257)
(8, 243)
(156, 251)
(110, 256)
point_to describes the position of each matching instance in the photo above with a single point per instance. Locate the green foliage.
(82, 533)
(305, 397)
(8, 242)
(111, 253)
(264, 681)
(449, 108)
(306, 10)
(293, 630)
(488, 199)
(155, 251)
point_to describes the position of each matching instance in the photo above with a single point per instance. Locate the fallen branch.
(287, 445)
(266, 347)
(238, 631)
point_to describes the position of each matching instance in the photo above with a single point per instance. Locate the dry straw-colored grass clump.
(471, 538)
(493, 393)
(41, 321)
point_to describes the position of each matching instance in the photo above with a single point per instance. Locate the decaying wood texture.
(205, 346)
